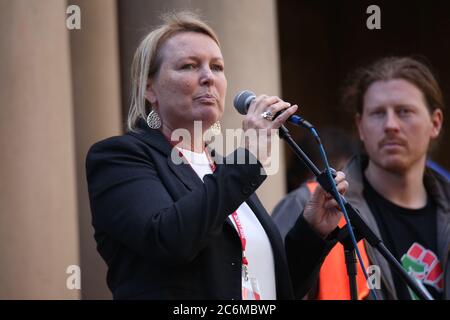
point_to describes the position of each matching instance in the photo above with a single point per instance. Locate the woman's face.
(190, 84)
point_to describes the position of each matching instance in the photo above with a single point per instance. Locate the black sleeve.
(130, 203)
(306, 251)
(287, 211)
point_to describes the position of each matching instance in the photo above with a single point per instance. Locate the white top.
(259, 250)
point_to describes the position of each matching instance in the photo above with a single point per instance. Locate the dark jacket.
(437, 187)
(164, 233)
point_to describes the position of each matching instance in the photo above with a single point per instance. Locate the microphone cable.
(341, 206)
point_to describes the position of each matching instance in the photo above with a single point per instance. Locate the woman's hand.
(258, 131)
(322, 212)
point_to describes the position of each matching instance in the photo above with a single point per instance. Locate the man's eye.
(404, 111)
(378, 113)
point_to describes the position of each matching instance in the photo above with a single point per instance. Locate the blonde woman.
(195, 230)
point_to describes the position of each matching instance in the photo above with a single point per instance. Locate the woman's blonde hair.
(147, 58)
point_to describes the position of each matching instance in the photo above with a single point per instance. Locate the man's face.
(396, 126)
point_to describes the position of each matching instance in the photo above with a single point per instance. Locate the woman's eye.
(188, 66)
(217, 67)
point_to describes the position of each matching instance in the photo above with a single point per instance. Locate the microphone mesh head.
(242, 101)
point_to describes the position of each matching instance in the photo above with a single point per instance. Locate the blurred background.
(61, 90)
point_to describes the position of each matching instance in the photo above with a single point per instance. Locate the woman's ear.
(149, 92)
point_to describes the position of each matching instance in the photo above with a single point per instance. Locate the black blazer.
(164, 234)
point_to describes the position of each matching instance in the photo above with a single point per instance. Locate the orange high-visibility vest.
(333, 279)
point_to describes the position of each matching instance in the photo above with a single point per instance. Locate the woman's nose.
(206, 76)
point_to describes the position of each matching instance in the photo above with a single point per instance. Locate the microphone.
(243, 99)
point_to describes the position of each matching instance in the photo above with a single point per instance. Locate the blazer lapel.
(266, 221)
(175, 162)
(183, 171)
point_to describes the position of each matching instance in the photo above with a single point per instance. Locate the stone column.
(96, 99)
(38, 206)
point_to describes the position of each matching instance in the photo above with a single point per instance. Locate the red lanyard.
(241, 236)
(234, 215)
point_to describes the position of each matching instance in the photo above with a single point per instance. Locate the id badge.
(250, 289)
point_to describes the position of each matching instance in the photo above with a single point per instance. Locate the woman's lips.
(206, 99)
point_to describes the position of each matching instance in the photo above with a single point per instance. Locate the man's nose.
(392, 121)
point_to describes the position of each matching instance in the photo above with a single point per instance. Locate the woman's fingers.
(341, 186)
(261, 103)
(271, 105)
(341, 183)
(331, 204)
(278, 121)
(277, 107)
(340, 176)
(264, 103)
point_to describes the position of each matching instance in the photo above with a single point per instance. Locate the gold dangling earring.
(216, 128)
(153, 120)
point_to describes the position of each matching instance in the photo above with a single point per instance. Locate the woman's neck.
(187, 139)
